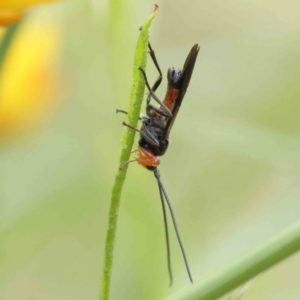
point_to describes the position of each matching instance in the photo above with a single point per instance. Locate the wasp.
(155, 132)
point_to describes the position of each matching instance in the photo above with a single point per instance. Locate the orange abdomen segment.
(170, 98)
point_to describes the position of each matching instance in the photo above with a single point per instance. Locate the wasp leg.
(160, 77)
(121, 111)
(158, 110)
(124, 112)
(131, 127)
(153, 94)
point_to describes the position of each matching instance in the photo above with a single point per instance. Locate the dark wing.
(187, 74)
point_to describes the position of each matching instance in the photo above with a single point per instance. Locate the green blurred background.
(232, 171)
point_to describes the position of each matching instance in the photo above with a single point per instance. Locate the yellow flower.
(12, 10)
(29, 75)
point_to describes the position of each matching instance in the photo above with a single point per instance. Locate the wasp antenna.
(167, 234)
(126, 163)
(163, 191)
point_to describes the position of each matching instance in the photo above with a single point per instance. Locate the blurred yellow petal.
(29, 75)
(12, 10)
(22, 3)
(8, 17)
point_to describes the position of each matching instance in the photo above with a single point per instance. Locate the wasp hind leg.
(152, 94)
(160, 77)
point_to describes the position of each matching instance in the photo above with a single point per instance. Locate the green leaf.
(7, 39)
(136, 98)
(244, 268)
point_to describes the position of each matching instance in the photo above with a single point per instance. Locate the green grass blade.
(7, 39)
(244, 268)
(136, 98)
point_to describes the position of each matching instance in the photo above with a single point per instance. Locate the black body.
(157, 124)
(156, 127)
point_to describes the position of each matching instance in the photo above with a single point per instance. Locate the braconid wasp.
(155, 132)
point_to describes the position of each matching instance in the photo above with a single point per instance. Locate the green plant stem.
(136, 98)
(7, 39)
(244, 268)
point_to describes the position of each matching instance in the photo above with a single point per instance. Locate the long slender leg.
(131, 127)
(153, 94)
(160, 77)
(157, 176)
(167, 235)
(158, 110)
(124, 112)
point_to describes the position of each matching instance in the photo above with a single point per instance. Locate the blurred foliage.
(29, 74)
(232, 172)
(12, 11)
